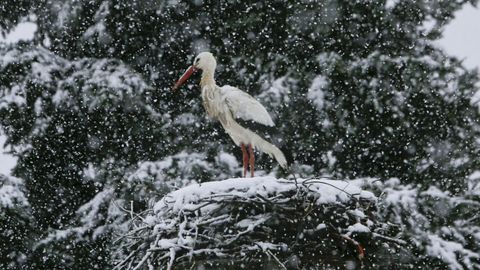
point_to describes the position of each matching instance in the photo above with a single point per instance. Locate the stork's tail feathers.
(264, 146)
(272, 150)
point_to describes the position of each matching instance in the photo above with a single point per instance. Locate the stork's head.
(204, 61)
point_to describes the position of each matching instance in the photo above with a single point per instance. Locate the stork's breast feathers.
(244, 106)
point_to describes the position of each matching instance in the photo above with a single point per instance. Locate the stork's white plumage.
(228, 103)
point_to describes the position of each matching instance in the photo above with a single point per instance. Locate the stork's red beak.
(184, 77)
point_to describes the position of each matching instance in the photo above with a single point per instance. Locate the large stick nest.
(259, 222)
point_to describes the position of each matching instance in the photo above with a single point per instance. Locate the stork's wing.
(244, 106)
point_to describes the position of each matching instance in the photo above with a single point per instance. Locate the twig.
(276, 259)
(396, 241)
(361, 251)
(126, 259)
(172, 258)
(131, 210)
(134, 231)
(294, 178)
(313, 181)
(213, 219)
(144, 259)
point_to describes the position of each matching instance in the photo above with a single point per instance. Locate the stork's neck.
(207, 78)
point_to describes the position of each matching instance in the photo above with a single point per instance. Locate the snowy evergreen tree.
(356, 88)
(16, 223)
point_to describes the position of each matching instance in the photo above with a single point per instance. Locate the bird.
(228, 103)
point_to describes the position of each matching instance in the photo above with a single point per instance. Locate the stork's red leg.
(245, 159)
(252, 160)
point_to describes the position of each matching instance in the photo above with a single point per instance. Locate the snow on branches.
(438, 228)
(11, 193)
(15, 222)
(256, 222)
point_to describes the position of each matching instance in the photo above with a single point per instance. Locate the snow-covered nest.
(253, 222)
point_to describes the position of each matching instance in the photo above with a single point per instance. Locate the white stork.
(227, 103)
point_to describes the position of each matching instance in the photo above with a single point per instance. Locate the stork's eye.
(197, 60)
